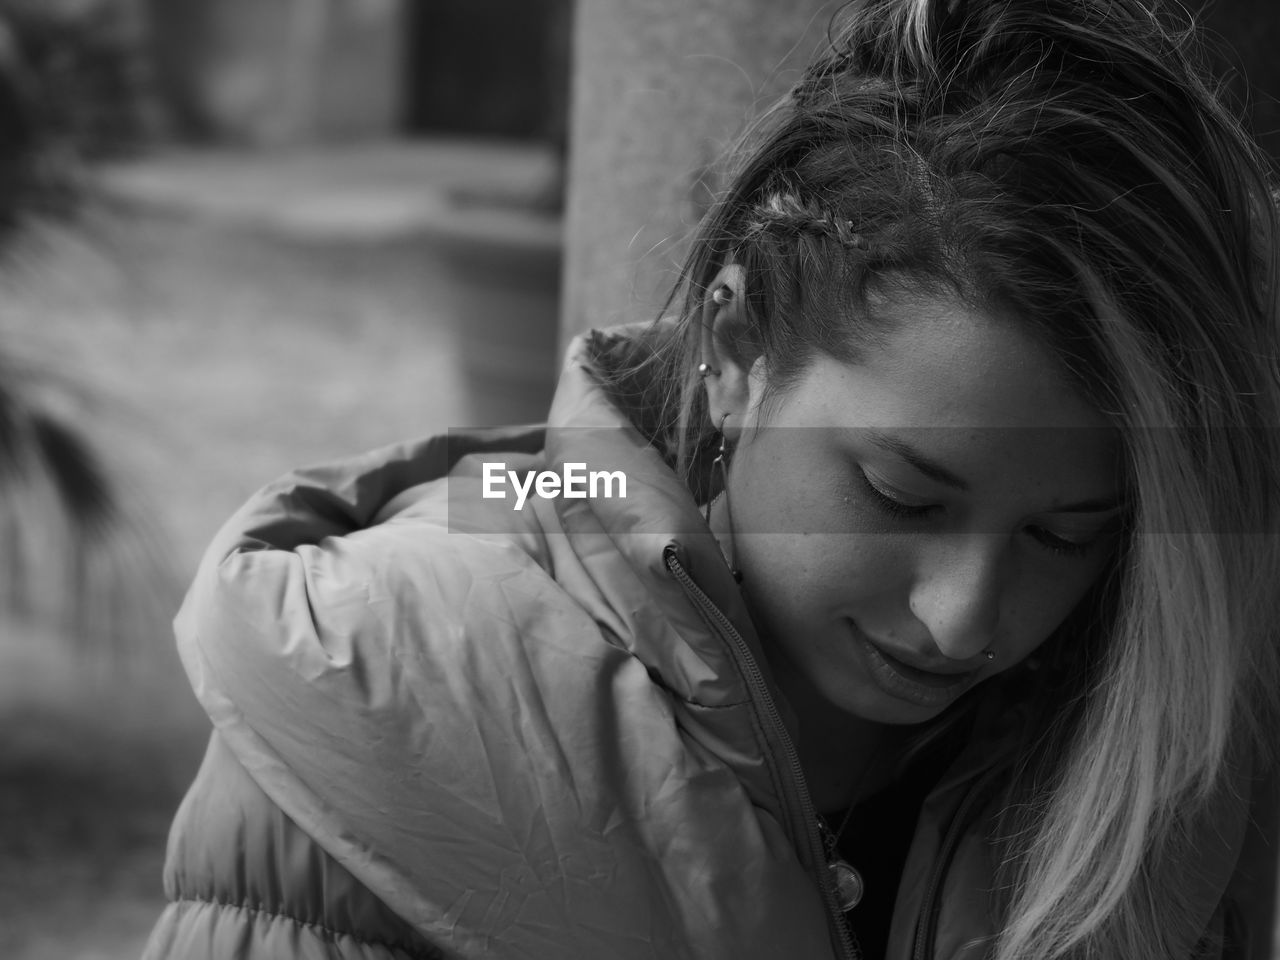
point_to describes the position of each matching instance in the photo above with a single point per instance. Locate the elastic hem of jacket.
(327, 933)
(709, 706)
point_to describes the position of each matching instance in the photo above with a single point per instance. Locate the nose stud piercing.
(707, 370)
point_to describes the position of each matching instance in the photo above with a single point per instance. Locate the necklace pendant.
(848, 883)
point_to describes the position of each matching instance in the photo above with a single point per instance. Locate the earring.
(989, 654)
(707, 370)
(721, 461)
(722, 296)
(717, 462)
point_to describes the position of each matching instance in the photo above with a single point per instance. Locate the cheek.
(1039, 607)
(818, 576)
(870, 568)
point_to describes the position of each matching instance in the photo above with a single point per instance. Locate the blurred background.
(238, 236)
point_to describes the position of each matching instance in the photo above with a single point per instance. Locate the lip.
(925, 688)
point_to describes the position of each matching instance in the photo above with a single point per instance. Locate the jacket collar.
(587, 427)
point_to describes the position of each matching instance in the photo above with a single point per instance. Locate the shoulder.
(327, 619)
(360, 577)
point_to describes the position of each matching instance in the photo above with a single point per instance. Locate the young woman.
(936, 617)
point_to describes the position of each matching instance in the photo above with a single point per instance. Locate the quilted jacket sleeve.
(242, 879)
(244, 882)
(378, 690)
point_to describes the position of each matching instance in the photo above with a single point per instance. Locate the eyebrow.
(904, 450)
(936, 471)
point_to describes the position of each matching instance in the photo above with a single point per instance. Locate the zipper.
(805, 828)
(931, 908)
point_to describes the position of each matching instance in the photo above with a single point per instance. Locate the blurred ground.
(231, 319)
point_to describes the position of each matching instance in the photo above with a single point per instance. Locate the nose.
(957, 594)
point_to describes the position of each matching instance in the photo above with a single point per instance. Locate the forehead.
(975, 390)
(938, 362)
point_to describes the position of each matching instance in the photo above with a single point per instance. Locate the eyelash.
(906, 511)
(1056, 544)
(892, 507)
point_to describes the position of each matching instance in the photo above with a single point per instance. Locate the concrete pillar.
(660, 89)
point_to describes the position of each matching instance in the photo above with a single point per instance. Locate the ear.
(735, 382)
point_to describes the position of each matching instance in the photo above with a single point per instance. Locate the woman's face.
(895, 518)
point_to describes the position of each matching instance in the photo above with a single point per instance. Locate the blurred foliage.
(71, 551)
(81, 66)
(76, 553)
(33, 177)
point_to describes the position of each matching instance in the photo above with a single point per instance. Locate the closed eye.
(1079, 542)
(1061, 545)
(890, 504)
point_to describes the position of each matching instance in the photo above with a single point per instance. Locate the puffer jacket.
(446, 728)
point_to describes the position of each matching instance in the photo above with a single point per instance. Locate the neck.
(845, 758)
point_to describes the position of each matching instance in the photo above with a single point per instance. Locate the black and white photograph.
(639, 480)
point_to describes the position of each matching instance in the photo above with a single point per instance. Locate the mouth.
(926, 688)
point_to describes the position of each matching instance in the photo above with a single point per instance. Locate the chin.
(896, 713)
(868, 702)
